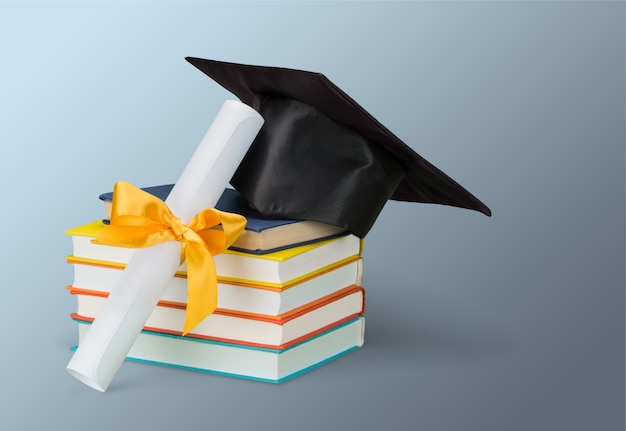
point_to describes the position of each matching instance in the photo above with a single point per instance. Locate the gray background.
(514, 322)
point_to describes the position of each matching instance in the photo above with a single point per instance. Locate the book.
(262, 235)
(276, 332)
(271, 269)
(97, 279)
(268, 365)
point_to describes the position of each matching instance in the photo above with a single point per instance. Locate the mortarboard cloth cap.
(321, 156)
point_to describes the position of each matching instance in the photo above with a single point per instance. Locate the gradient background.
(514, 322)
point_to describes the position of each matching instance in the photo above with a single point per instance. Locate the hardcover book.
(272, 269)
(276, 332)
(268, 365)
(98, 279)
(262, 235)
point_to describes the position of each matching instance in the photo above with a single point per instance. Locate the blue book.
(262, 235)
(236, 360)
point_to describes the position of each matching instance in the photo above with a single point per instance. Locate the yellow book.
(98, 278)
(277, 269)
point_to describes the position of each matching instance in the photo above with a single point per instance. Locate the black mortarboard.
(320, 156)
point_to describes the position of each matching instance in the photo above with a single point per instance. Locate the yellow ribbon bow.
(139, 219)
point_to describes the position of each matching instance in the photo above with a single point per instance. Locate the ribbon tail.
(201, 284)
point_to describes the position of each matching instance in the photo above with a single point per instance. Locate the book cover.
(262, 235)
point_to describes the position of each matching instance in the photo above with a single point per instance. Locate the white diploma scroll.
(133, 298)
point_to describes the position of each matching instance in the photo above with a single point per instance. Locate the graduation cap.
(321, 156)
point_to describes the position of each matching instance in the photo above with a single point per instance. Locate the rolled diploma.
(143, 281)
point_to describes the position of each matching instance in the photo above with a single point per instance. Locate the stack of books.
(289, 298)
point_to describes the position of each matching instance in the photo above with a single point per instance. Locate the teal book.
(262, 235)
(262, 364)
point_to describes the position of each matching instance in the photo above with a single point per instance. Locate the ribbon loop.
(139, 219)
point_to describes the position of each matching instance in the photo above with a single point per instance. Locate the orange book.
(273, 332)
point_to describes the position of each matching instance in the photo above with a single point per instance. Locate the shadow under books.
(432, 331)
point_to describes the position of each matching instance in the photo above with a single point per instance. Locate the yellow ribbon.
(139, 219)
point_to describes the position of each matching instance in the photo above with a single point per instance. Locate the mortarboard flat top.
(320, 156)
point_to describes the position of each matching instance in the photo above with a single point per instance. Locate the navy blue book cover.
(230, 201)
